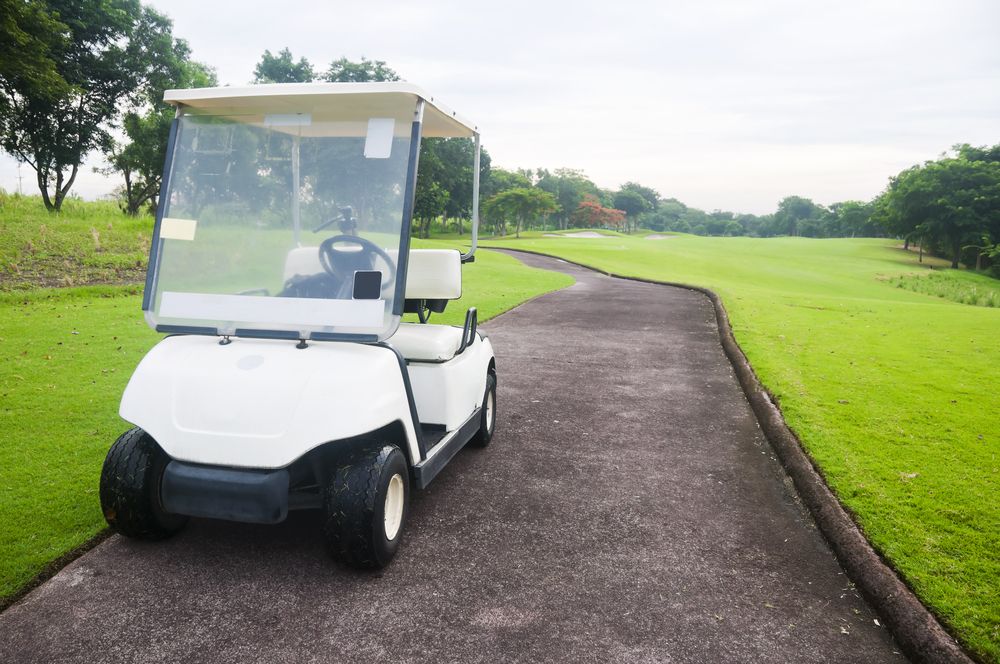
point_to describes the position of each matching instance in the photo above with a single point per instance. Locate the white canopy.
(327, 101)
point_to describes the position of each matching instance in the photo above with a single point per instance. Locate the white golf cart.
(280, 268)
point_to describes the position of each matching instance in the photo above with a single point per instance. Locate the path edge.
(918, 631)
(54, 567)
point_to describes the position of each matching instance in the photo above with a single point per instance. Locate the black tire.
(487, 414)
(355, 502)
(130, 488)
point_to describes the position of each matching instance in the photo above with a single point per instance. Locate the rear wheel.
(366, 503)
(130, 488)
(487, 414)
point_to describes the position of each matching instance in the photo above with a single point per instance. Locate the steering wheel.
(342, 264)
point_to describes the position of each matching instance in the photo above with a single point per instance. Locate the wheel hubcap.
(394, 507)
(489, 411)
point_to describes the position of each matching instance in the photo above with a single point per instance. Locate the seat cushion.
(427, 343)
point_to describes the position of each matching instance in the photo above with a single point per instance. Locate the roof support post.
(475, 200)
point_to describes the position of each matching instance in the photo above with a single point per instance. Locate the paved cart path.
(629, 510)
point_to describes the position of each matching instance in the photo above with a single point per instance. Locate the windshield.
(284, 224)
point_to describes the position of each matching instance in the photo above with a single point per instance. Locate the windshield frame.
(149, 303)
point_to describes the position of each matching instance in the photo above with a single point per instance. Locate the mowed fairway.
(65, 357)
(893, 393)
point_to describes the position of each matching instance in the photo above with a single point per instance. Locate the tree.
(851, 219)
(951, 202)
(430, 202)
(960, 200)
(501, 180)
(667, 216)
(29, 37)
(792, 212)
(104, 53)
(695, 220)
(982, 153)
(733, 229)
(140, 161)
(447, 163)
(651, 195)
(282, 68)
(632, 203)
(751, 223)
(569, 187)
(345, 71)
(591, 214)
(888, 209)
(520, 205)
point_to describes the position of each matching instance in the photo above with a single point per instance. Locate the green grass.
(88, 243)
(65, 356)
(67, 353)
(962, 287)
(893, 393)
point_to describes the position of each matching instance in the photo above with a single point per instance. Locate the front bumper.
(250, 496)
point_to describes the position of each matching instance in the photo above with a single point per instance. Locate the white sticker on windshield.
(172, 228)
(288, 120)
(311, 311)
(378, 140)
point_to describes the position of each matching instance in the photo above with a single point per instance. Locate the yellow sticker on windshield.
(177, 229)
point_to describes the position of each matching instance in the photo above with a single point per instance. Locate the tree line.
(85, 76)
(79, 77)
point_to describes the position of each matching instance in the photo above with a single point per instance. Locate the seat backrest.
(432, 274)
(302, 260)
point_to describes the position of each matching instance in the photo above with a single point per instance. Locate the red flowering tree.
(591, 214)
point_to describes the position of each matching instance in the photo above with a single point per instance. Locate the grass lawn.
(893, 392)
(67, 353)
(89, 243)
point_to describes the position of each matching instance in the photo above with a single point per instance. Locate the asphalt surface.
(628, 510)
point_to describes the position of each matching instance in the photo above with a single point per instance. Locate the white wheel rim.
(489, 411)
(394, 507)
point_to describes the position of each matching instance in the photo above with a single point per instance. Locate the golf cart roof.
(324, 101)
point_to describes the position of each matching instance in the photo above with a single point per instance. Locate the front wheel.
(487, 414)
(130, 488)
(365, 504)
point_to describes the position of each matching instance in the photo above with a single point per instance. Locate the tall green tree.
(667, 216)
(633, 204)
(453, 160)
(851, 219)
(366, 71)
(982, 153)
(430, 197)
(282, 68)
(104, 52)
(951, 202)
(140, 158)
(793, 214)
(429, 204)
(30, 37)
(500, 180)
(651, 195)
(959, 200)
(520, 205)
(890, 208)
(569, 187)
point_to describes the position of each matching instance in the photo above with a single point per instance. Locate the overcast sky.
(722, 104)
